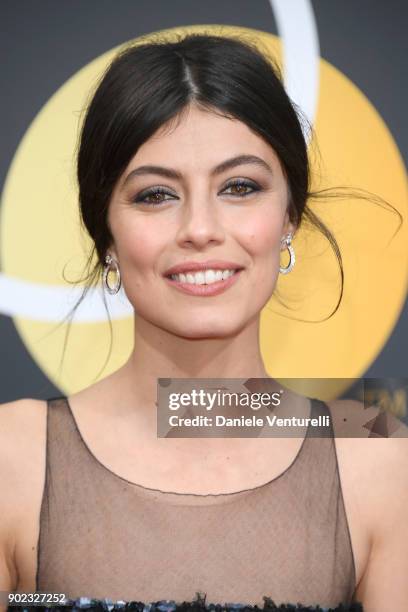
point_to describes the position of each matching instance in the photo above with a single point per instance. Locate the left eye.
(240, 187)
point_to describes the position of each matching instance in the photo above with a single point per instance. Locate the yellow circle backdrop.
(40, 233)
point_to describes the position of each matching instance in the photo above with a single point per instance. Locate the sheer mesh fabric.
(102, 536)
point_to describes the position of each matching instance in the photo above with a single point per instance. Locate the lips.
(204, 290)
(196, 266)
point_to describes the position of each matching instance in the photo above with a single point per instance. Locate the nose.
(200, 224)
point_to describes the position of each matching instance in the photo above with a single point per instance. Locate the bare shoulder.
(29, 408)
(375, 440)
(22, 431)
(376, 469)
(373, 447)
(351, 418)
(22, 466)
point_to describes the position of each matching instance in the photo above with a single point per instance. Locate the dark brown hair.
(151, 83)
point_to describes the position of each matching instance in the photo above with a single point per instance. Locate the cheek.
(141, 246)
(260, 237)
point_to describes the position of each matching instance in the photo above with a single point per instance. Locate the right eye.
(155, 193)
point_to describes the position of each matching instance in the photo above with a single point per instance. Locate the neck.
(160, 354)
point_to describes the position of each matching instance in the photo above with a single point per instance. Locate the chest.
(212, 531)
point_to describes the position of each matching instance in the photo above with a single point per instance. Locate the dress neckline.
(183, 498)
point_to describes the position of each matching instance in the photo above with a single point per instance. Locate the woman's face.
(204, 211)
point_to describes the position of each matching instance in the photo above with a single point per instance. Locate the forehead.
(204, 137)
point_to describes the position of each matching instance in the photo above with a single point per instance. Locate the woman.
(192, 158)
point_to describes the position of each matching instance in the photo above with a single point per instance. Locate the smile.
(204, 283)
(205, 277)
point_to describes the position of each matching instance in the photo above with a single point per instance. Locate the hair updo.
(149, 84)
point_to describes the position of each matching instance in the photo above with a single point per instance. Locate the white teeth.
(199, 278)
(204, 277)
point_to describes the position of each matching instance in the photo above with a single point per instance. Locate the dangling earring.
(108, 262)
(287, 240)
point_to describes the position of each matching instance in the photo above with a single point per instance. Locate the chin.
(205, 330)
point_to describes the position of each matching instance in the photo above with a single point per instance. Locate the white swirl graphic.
(297, 29)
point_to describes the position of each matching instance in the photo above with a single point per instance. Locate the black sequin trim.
(196, 605)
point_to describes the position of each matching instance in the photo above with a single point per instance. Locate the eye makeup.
(159, 190)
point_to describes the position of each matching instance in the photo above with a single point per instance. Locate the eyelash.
(156, 190)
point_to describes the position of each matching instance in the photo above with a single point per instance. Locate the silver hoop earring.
(108, 262)
(287, 240)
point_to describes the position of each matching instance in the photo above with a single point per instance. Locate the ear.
(112, 252)
(288, 228)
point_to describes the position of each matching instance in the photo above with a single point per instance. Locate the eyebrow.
(239, 160)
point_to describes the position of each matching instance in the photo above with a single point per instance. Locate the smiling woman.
(193, 177)
(202, 204)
